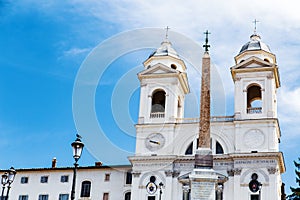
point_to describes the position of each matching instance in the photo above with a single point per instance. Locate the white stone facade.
(244, 144)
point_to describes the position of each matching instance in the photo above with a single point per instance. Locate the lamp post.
(11, 177)
(7, 178)
(77, 150)
(160, 189)
(3, 182)
(260, 186)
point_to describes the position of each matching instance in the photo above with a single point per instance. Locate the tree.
(296, 191)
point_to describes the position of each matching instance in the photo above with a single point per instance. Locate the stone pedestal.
(203, 184)
(203, 178)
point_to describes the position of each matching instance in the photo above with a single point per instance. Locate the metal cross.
(255, 25)
(206, 45)
(167, 31)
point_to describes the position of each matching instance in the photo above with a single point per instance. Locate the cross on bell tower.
(255, 25)
(167, 32)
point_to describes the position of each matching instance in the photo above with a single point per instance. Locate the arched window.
(219, 148)
(254, 99)
(127, 196)
(216, 149)
(85, 189)
(158, 104)
(189, 150)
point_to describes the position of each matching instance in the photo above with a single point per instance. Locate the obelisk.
(203, 178)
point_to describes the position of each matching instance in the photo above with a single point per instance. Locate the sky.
(45, 46)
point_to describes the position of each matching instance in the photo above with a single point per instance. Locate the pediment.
(253, 62)
(158, 69)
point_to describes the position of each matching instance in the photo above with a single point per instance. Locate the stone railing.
(256, 110)
(157, 115)
(212, 119)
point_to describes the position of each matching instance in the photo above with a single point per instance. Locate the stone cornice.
(272, 68)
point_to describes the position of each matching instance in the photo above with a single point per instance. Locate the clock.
(155, 141)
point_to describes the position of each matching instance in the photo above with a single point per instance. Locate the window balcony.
(255, 110)
(157, 115)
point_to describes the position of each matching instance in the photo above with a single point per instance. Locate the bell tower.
(164, 85)
(256, 79)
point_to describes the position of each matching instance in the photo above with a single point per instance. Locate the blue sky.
(43, 45)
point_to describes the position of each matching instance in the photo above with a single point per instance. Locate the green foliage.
(296, 191)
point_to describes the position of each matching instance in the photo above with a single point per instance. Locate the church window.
(189, 150)
(127, 195)
(105, 196)
(254, 197)
(173, 66)
(152, 179)
(128, 177)
(85, 189)
(158, 104)
(254, 99)
(219, 148)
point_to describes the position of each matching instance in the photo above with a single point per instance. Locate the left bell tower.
(164, 85)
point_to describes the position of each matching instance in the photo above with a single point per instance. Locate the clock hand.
(154, 142)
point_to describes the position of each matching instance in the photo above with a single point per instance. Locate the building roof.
(71, 168)
(255, 43)
(165, 49)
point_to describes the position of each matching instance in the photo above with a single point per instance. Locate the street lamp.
(4, 179)
(160, 189)
(11, 177)
(7, 178)
(260, 186)
(77, 150)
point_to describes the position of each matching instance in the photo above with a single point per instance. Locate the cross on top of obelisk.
(255, 25)
(206, 45)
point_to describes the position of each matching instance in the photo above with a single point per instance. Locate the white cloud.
(76, 51)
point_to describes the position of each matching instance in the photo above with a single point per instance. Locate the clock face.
(155, 141)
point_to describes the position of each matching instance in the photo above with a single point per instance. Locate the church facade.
(245, 146)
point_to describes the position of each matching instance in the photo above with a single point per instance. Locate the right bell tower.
(256, 79)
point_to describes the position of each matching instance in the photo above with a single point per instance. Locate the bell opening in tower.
(158, 104)
(254, 99)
